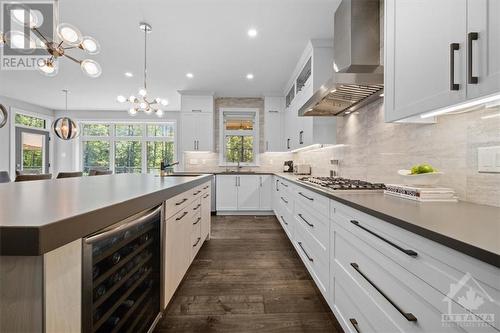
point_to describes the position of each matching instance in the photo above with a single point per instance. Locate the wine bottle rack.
(121, 276)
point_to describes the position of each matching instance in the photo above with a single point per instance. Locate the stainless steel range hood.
(358, 77)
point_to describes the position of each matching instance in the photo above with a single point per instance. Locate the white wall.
(7, 155)
(66, 157)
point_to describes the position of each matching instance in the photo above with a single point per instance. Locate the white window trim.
(12, 127)
(223, 133)
(112, 138)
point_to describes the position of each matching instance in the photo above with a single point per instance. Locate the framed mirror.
(3, 115)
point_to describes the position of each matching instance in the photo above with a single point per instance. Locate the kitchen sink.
(180, 175)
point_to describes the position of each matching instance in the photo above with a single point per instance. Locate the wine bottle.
(95, 272)
(115, 258)
(99, 291)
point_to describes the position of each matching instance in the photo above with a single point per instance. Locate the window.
(239, 139)
(30, 121)
(127, 148)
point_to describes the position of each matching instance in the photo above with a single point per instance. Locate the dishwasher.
(121, 275)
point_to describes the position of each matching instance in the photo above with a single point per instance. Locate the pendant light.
(65, 128)
(141, 103)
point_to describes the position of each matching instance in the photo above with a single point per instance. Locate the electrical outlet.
(488, 159)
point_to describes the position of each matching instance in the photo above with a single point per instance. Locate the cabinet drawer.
(177, 203)
(285, 201)
(315, 257)
(286, 221)
(355, 310)
(319, 203)
(437, 265)
(205, 188)
(412, 304)
(316, 225)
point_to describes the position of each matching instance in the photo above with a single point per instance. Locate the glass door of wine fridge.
(121, 275)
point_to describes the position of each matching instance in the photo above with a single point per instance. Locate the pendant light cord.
(145, 55)
(66, 92)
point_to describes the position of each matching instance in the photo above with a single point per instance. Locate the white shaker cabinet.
(196, 131)
(273, 111)
(243, 193)
(439, 54)
(422, 41)
(483, 37)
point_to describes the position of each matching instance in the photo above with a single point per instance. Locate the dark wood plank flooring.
(247, 278)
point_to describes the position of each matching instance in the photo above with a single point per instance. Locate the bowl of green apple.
(420, 175)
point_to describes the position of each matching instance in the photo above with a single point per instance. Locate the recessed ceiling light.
(189, 75)
(250, 76)
(252, 33)
(128, 74)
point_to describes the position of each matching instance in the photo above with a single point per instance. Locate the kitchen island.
(48, 261)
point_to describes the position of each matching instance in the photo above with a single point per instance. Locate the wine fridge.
(121, 275)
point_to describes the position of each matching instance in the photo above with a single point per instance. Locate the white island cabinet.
(439, 53)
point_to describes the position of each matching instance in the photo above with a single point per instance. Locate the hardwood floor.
(247, 278)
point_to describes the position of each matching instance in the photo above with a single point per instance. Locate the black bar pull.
(305, 196)
(354, 324)
(310, 259)
(182, 216)
(453, 47)
(284, 200)
(411, 253)
(181, 202)
(197, 221)
(303, 219)
(301, 137)
(197, 206)
(197, 241)
(283, 219)
(472, 36)
(408, 315)
(287, 143)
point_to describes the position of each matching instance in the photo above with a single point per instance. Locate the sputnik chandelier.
(69, 37)
(142, 103)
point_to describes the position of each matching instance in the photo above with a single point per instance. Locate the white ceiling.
(205, 37)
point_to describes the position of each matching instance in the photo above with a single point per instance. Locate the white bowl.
(422, 179)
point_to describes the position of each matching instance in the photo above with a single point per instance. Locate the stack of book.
(422, 194)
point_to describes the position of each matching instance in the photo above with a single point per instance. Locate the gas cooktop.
(342, 184)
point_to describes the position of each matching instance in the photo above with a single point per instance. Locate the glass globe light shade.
(143, 105)
(47, 67)
(91, 68)
(121, 99)
(164, 102)
(158, 100)
(20, 42)
(148, 110)
(90, 45)
(65, 128)
(69, 34)
(159, 113)
(131, 99)
(132, 111)
(142, 92)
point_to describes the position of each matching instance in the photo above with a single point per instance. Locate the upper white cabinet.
(273, 111)
(314, 68)
(434, 50)
(196, 123)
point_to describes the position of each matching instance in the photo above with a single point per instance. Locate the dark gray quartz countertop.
(39, 216)
(466, 227)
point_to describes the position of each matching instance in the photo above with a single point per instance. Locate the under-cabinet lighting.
(465, 105)
(491, 116)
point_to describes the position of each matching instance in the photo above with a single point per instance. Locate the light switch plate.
(488, 159)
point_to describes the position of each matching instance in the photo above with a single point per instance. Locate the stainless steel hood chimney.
(358, 77)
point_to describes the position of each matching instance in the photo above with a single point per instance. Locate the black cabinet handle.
(472, 36)
(206, 187)
(303, 219)
(354, 324)
(408, 315)
(283, 219)
(411, 253)
(453, 47)
(197, 192)
(310, 259)
(301, 137)
(287, 143)
(206, 196)
(197, 241)
(182, 216)
(198, 206)
(277, 185)
(197, 221)
(284, 184)
(284, 200)
(305, 196)
(181, 202)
